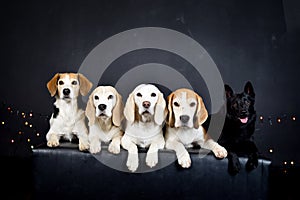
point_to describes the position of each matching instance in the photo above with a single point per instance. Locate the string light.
(292, 163)
(271, 150)
(293, 118)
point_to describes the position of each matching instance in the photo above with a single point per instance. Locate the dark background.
(254, 40)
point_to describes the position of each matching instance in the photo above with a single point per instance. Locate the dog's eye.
(60, 82)
(74, 82)
(176, 104)
(192, 104)
(153, 95)
(110, 97)
(96, 97)
(139, 94)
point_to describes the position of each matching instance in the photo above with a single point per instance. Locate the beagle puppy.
(104, 111)
(67, 119)
(145, 112)
(186, 114)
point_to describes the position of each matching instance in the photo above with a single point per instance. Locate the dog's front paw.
(114, 148)
(234, 165)
(220, 152)
(252, 163)
(53, 141)
(83, 145)
(95, 147)
(132, 162)
(152, 159)
(184, 160)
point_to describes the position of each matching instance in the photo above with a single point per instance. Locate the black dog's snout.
(146, 104)
(184, 118)
(66, 91)
(102, 107)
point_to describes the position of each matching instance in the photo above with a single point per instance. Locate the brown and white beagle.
(68, 119)
(186, 114)
(104, 111)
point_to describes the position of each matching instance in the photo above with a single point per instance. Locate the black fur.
(55, 112)
(239, 128)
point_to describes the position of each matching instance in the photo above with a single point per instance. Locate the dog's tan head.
(105, 102)
(68, 85)
(185, 109)
(145, 103)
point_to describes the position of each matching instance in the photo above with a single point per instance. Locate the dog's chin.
(103, 116)
(183, 125)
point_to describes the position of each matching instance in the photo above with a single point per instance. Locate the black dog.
(239, 127)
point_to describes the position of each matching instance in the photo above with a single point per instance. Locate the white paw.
(95, 147)
(53, 141)
(114, 148)
(152, 159)
(184, 160)
(83, 145)
(220, 152)
(132, 162)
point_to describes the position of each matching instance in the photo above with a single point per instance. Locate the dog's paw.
(220, 152)
(132, 162)
(184, 160)
(95, 147)
(234, 166)
(251, 164)
(114, 148)
(152, 159)
(53, 141)
(83, 145)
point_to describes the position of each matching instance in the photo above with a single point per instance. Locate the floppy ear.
(201, 113)
(160, 111)
(228, 91)
(248, 89)
(52, 84)
(117, 115)
(90, 111)
(129, 109)
(170, 118)
(85, 84)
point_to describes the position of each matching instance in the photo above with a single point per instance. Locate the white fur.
(181, 136)
(144, 125)
(101, 125)
(70, 120)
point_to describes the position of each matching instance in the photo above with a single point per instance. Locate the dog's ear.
(248, 89)
(118, 115)
(52, 84)
(129, 109)
(201, 113)
(228, 91)
(85, 84)
(170, 117)
(90, 110)
(160, 111)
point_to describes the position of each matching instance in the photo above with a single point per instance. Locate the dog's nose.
(146, 104)
(184, 118)
(66, 91)
(102, 107)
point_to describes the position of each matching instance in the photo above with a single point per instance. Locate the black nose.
(66, 91)
(102, 107)
(146, 104)
(184, 118)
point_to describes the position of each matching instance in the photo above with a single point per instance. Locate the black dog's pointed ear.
(228, 91)
(248, 89)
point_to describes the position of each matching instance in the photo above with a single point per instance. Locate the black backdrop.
(248, 40)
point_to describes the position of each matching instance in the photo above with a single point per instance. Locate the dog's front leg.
(94, 139)
(52, 139)
(218, 150)
(132, 159)
(152, 154)
(114, 146)
(82, 133)
(182, 154)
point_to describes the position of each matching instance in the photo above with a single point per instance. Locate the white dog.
(104, 111)
(68, 120)
(145, 112)
(186, 114)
